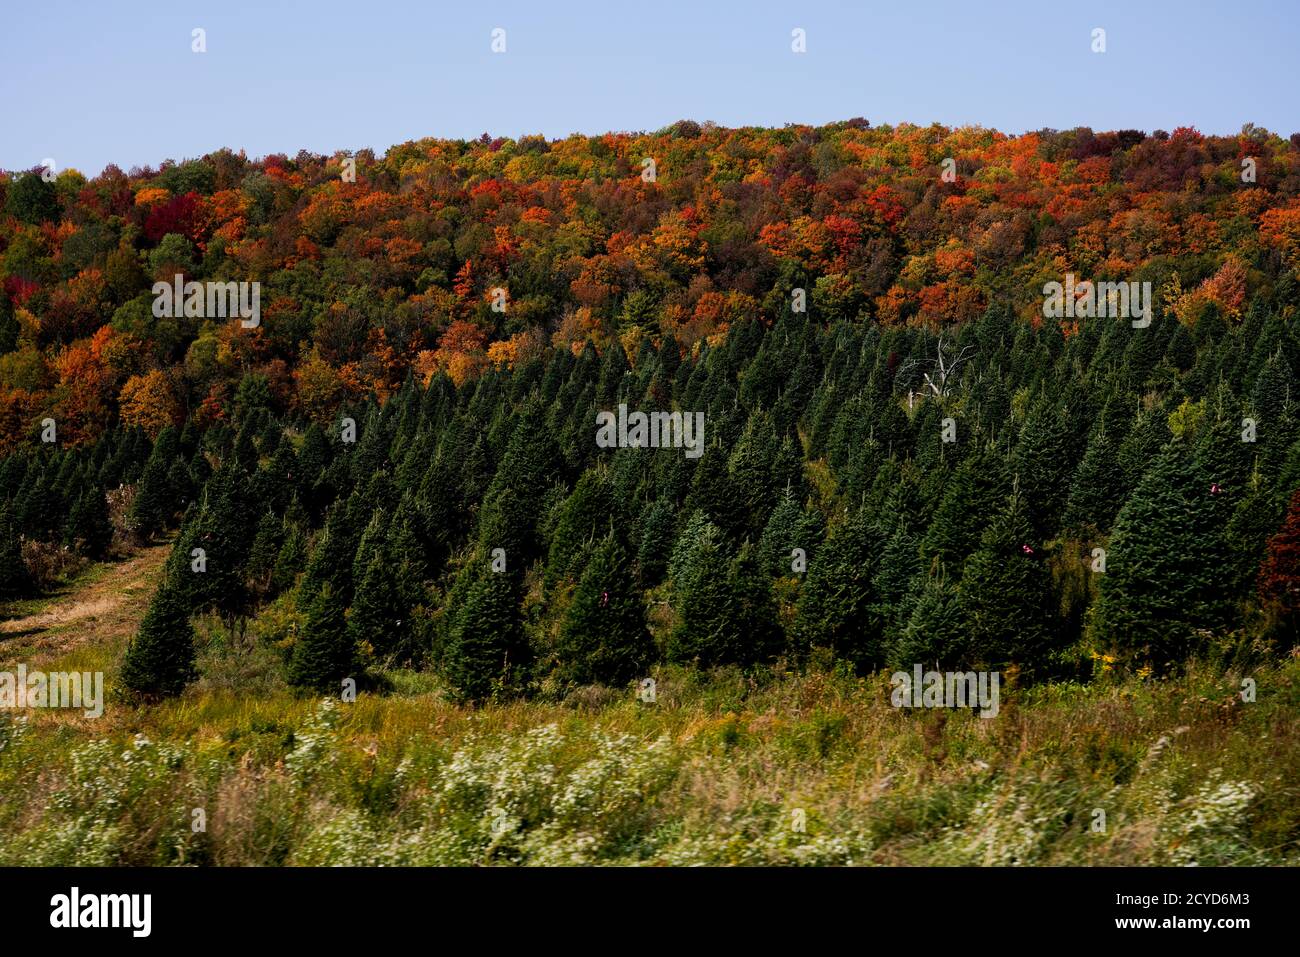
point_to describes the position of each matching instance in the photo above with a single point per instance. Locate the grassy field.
(722, 768)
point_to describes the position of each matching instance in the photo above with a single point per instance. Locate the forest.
(395, 476)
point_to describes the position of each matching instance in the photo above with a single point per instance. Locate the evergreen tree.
(1098, 488)
(487, 652)
(1165, 567)
(657, 529)
(977, 490)
(934, 633)
(585, 513)
(603, 637)
(15, 582)
(159, 661)
(377, 619)
(290, 560)
(324, 653)
(838, 608)
(725, 611)
(89, 527)
(1006, 591)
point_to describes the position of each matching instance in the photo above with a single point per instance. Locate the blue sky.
(98, 81)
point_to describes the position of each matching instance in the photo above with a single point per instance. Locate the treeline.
(1064, 499)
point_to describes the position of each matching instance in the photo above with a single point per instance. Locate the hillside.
(511, 432)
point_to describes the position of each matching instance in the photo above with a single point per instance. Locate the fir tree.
(603, 638)
(377, 619)
(934, 633)
(15, 582)
(89, 527)
(1165, 566)
(1006, 591)
(1098, 488)
(324, 653)
(486, 653)
(159, 661)
(838, 607)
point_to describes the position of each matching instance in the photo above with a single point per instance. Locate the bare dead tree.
(943, 368)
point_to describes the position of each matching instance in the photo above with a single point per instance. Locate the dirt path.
(109, 606)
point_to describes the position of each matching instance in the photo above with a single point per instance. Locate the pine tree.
(290, 560)
(696, 534)
(324, 654)
(89, 527)
(977, 490)
(838, 606)
(705, 632)
(603, 638)
(1043, 465)
(159, 661)
(377, 619)
(585, 514)
(155, 500)
(657, 529)
(1165, 566)
(486, 653)
(1098, 488)
(784, 533)
(1006, 591)
(934, 633)
(266, 547)
(15, 581)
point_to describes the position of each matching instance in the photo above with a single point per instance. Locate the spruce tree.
(1165, 568)
(324, 653)
(486, 653)
(704, 631)
(977, 490)
(838, 607)
(89, 527)
(15, 581)
(603, 638)
(657, 528)
(934, 633)
(784, 532)
(1006, 591)
(1099, 486)
(290, 560)
(159, 661)
(377, 619)
(585, 513)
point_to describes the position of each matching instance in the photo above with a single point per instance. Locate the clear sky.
(89, 82)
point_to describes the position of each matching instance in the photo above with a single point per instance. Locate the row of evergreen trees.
(1111, 488)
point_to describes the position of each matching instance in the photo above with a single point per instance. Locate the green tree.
(603, 638)
(324, 653)
(1006, 592)
(159, 661)
(1165, 565)
(377, 619)
(487, 653)
(89, 527)
(15, 582)
(838, 607)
